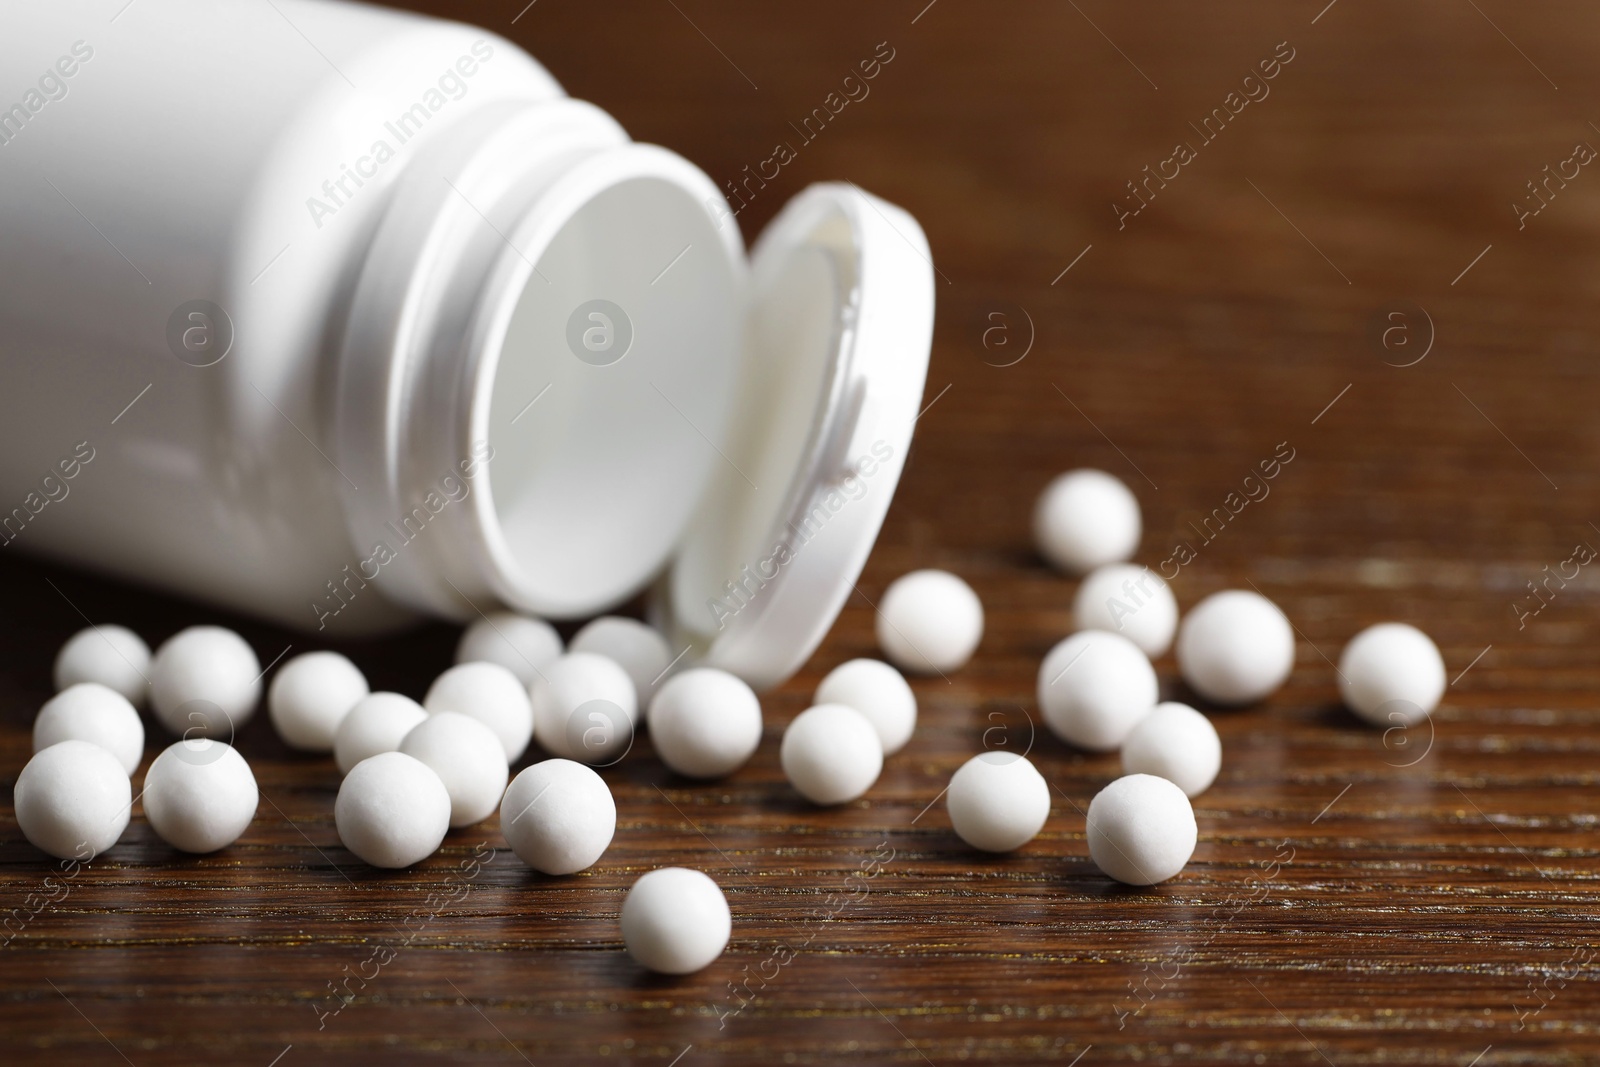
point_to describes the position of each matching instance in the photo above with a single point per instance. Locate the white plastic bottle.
(339, 316)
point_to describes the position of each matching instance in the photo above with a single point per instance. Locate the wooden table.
(1422, 897)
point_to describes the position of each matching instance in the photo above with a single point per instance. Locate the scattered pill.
(705, 723)
(98, 714)
(114, 656)
(1391, 674)
(929, 622)
(392, 810)
(675, 920)
(1141, 829)
(1094, 688)
(204, 682)
(199, 795)
(1235, 647)
(877, 691)
(467, 757)
(493, 695)
(584, 708)
(310, 696)
(558, 816)
(1131, 600)
(998, 801)
(520, 644)
(831, 754)
(378, 723)
(73, 800)
(1177, 743)
(636, 648)
(1085, 519)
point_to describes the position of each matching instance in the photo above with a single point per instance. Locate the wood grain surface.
(1419, 897)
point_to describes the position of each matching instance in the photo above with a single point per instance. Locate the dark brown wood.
(1355, 898)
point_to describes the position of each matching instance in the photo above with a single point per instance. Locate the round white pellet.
(520, 644)
(1095, 687)
(1085, 519)
(831, 754)
(204, 682)
(114, 656)
(392, 810)
(98, 714)
(584, 708)
(929, 622)
(491, 694)
(1141, 829)
(199, 795)
(998, 801)
(1131, 600)
(675, 920)
(705, 723)
(467, 757)
(1177, 743)
(73, 799)
(378, 723)
(1391, 674)
(877, 691)
(636, 648)
(310, 696)
(558, 816)
(1235, 647)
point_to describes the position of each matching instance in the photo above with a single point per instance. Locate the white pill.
(998, 801)
(310, 696)
(584, 708)
(199, 795)
(72, 800)
(114, 656)
(929, 622)
(675, 920)
(558, 816)
(636, 648)
(1094, 688)
(1177, 743)
(1391, 674)
(467, 757)
(378, 723)
(705, 723)
(204, 682)
(89, 711)
(520, 644)
(493, 695)
(1141, 829)
(831, 754)
(1131, 600)
(877, 691)
(1085, 519)
(1235, 647)
(392, 810)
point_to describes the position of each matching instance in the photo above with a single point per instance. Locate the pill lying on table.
(1177, 743)
(204, 682)
(1131, 600)
(1085, 519)
(378, 723)
(199, 795)
(638, 649)
(310, 696)
(114, 656)
(558, 816)
(73, 800)
(392, 810)
(705, 723)
(89, 711)
(520, 644)
(831, 754)
(584, 708)
(1141, 829)
(929, 622)
(467, 757)
(1391, 674)
(998, 801)
(675, 920)
(1094, 688)
(1235, 647)
(493, 695)
(877, 691)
